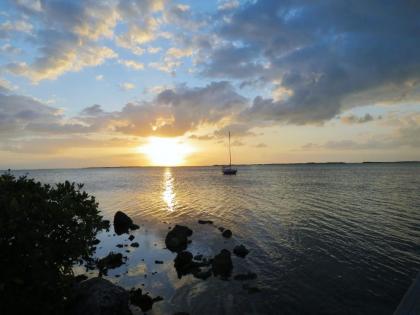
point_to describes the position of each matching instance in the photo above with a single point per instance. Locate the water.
(324, 239)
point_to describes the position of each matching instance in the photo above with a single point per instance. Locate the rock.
(98, 296)
(109, 262)
(120, 245)
(245, 276)
(134, 227)
(240, 251)
(159, 262)
(184, 264)
(96, 241)
(131, 237)
(177, 239)
(221, 228)
(144, 301)
(222, 264)
(135, 244)
(227, 233)
(122, 222)
(205, 222)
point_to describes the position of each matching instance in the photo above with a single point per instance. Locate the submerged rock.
(205, 222)
(245, 276)
(110, 262)
(98, 296)
(159, 262)
(177, 239)
(222, 264)
(184, 264)
(122, 223)
(227, 233)
(120, 245)
(240, 251)
(144, 301)
(135, 244)
(131, 237)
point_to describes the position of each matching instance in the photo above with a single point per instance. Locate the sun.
(166, 151)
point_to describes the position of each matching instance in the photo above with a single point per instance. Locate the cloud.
(7, 28)
(352, 119)
(228, 5)
(261, 145)
(322, 54)
(173, 112)
(70, 34)
(406, 134)
(132, 64)
(127, 86)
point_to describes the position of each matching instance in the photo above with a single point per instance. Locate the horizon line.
(210, 165)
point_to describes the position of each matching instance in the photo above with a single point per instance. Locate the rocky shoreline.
(99, 296)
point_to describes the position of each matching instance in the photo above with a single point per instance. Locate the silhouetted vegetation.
(44, 231)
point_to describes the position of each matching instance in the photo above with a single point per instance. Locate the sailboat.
(229, 170)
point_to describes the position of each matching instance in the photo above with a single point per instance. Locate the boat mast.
(230, 156)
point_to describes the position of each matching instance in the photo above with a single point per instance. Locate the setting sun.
(166, 151)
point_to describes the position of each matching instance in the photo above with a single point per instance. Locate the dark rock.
(245, 276)
(135, 244)
(120, 245)
(144, 301)
(80, 278)
(159, 262)
(122, 222)
(240, 251)
(109, 262)
(184, 264)
(96, 242)
(221, 228)
(205, 222)
(227, 233)
(99, 296)
(177, 239)
(131, 237)
(222, 264)
(134, 227)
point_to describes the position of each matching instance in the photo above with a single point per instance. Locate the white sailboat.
(229, 170)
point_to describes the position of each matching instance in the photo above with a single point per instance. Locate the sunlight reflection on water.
(168, 194)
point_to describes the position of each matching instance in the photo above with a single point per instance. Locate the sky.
(160, 82)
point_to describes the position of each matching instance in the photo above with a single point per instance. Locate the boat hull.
(229, 171)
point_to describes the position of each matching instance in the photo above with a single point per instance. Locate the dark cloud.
(352, 119)
(175, 111)
(322, 53)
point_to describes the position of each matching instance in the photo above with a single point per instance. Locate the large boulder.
(240, 251)
(177, 239)
(144, 301)
(122, 223)
(110, 262)
(98, 296)
(222, 264)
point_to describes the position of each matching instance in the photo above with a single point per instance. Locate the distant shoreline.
(214, 165)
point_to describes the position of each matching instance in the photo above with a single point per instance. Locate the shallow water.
(330, 239)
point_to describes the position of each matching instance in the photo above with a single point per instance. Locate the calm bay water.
(324, 239)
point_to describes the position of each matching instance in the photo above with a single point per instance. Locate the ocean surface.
(323, 238)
